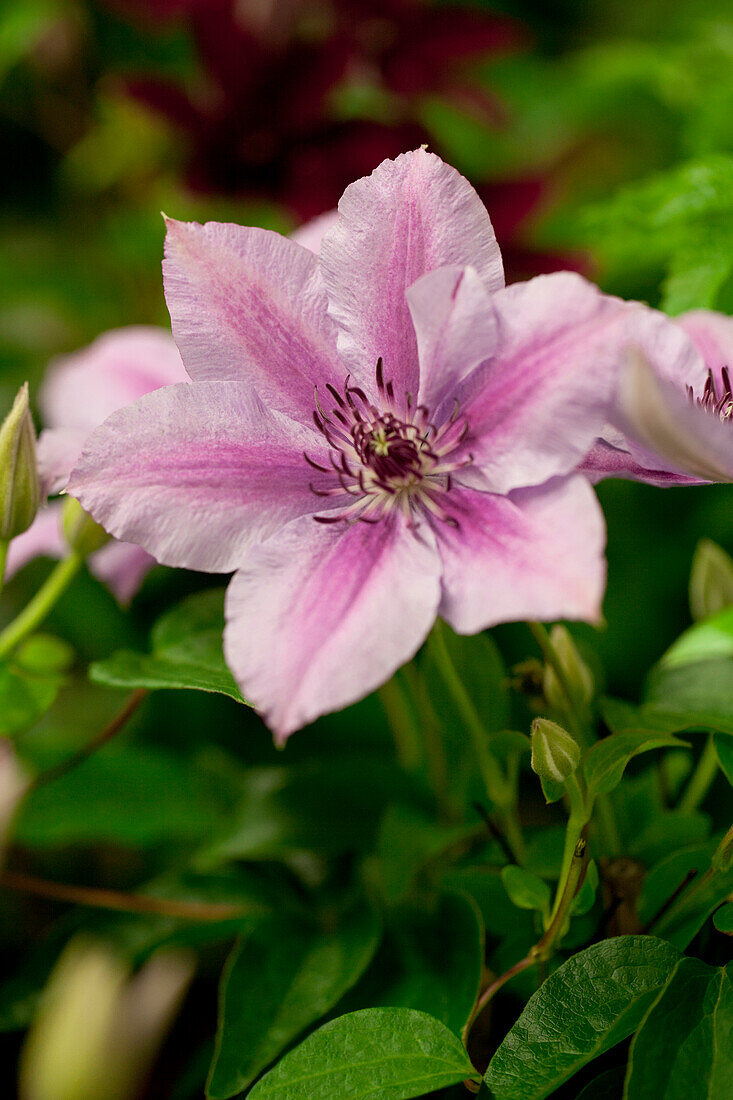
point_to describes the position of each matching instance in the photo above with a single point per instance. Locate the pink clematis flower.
(79, 392)
(374, 436)
(672, 421)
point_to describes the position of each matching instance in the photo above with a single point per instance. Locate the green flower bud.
(711, 580)
(555, 756)
(20, 492)
(97, 1028)
(579, 676)
(81, 532)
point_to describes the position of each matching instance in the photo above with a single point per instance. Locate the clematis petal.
(311, 234)
(322, 614)
(195, 473)
(456, 330)
(412, 215)
(43, 539)
(81, 390)
(122, 567)
(537, 406)
(57, 452)
(712, 334)
(661, 423)
(535, 554)
(605, 460)
(248, 305)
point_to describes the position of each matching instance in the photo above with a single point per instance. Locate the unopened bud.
(555, 756)
(711, 580)
(97, 1028)
(579, 676)
(81, 532)
(20, 492)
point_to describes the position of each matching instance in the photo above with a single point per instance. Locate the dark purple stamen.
(387, 458)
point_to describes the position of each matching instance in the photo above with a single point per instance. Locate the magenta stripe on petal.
(196, 473)
(319, 616)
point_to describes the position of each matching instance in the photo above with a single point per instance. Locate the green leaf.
(724, 748)
(700, 896)
(122, 794)
(711, 580)
(593, 1001)
(327, 805)
(431, 959)
(375, 1054)
(409, 839)
(693, 681)
(695, 1011)
(25, 697)
(604, 764)
(606, 1086)
(723, 918)
(186, 652)
(278, 981)
(526, 890)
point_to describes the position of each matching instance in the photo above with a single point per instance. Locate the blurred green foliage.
(624, 112)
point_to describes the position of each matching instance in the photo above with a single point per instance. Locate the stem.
(606, 819)
(701, 780)
(499, 792)
(577, 821)
(36, 611)
(401, 721)
(543, 950)
(113, 727)
(3, 558)
(117, 900)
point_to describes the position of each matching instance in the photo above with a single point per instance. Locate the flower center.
(387, 457)
(720, 406)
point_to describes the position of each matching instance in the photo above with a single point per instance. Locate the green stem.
(36, 611)
(544, 949)
(3, 558)
(606, 819)
(577, 821)
(499, 791)
(701, 780)
(401, 721)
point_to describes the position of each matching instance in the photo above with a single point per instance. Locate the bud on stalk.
(20, 493)
(578, 675)
(83, 535)
(555, 756)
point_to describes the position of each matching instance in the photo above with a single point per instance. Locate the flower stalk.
(33, 614)
(501, 793)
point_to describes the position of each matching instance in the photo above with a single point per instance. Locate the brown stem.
(546, 945)
(98, 898)
(106, 734)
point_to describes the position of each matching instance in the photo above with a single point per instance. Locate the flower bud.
(20, 492)
(81, 532)
(97, 1029)
(711, 580)
(579, 676)
(555, 756)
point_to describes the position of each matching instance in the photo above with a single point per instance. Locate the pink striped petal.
(122, 567)
(249, 305)
(81, 390)
(412, 215)
(43, 539)
(323, 614)
(536, 408)
(712, 334)
(57, 452)
(536, 554)
(456, 330)
(311, 234)
(196, 473)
